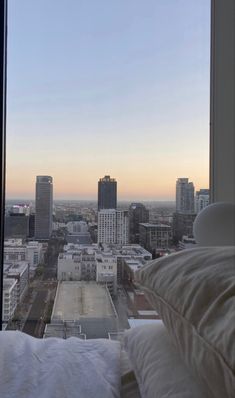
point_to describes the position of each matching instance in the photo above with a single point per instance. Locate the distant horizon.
(21, 199)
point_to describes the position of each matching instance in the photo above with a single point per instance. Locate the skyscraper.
(185, 215)
(202, 199)
(43, 207)
(107, 193)
(137, 214)
(184, 196)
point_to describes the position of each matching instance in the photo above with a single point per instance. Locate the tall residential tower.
(107, 193)
(43, 207)
(184, 196)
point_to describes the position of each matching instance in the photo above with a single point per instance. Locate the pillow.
(159, 370)
(194, 294)
(215, 225)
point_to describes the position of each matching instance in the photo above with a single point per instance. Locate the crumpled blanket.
(58, 368)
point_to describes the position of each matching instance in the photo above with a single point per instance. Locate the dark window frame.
(3, 82)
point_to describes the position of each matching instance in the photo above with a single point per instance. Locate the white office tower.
(202, 199)
(43, 207)
(113, 226)
(184, 196)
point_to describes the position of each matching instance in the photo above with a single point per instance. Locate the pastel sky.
(118, 87)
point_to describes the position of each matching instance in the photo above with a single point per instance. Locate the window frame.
(3, 82)
(222, 102)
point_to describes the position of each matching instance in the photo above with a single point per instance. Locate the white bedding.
(57, 368)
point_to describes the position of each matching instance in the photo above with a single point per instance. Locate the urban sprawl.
(69, 266)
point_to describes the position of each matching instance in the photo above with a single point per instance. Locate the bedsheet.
(53, 367)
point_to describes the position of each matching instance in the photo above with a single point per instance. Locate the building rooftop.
(81, 299)
(13, 242)
(86, 302)
(107, 250)
(8, 283)
(16, 268)
(148, 225)
(134, 265)
(63, 330)
(79, 238)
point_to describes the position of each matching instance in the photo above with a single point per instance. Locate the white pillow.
(194, 293)
(215, 225)
(160, 371)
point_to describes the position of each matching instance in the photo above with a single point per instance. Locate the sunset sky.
(117, 87)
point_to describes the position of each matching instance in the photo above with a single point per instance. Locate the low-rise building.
(155, 236)
(129, 252)
(182, 225)
(16, 251)
(131, 266)
(87, 303)
(20, 273)
(101, 263)
(10, 291)
(106, 271)
(76, 263)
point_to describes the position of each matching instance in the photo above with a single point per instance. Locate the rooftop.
(75, 300)
(79, 238)
(8, 283)
(134, 265)
(86, 302)
(17, 268)
(63, 330)
(148, 225)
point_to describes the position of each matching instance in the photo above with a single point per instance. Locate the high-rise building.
(43, 207)
(137, 214)
(107, 193)
(113, 226)
(202, 199)
(184, 196)
(122, 227)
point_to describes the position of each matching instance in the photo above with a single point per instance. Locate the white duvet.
(57, 368)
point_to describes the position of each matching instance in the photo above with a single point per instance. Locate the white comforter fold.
(57, 368)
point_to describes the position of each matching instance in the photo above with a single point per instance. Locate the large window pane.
(107, 156)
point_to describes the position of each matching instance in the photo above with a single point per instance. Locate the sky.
(108, 87)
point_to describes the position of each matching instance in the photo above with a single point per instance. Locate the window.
(125, 92)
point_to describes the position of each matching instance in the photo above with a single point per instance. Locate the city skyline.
(96, 198)
(124, 99)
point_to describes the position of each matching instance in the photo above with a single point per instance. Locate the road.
(36, 314)
(120, 303)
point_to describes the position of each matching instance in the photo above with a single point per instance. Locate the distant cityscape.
(62, 259)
